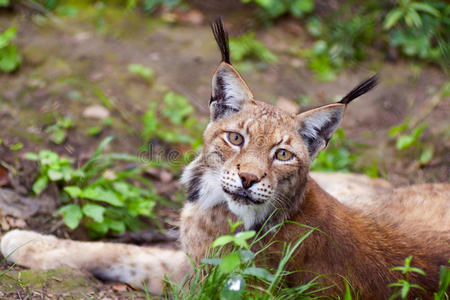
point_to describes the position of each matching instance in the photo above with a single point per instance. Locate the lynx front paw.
(22, 247)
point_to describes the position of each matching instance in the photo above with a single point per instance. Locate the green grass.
(234, 271)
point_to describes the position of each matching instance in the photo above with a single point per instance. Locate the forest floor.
(69, 65)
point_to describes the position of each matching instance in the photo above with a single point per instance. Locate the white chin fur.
(249, 214)
(211, 192)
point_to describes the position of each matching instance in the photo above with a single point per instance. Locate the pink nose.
(248, 179)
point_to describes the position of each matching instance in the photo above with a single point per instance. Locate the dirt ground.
(69, 65)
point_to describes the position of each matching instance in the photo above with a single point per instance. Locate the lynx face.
(259, 160)
(256, 157)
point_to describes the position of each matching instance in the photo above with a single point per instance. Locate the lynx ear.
(229, 90)
(316, 126)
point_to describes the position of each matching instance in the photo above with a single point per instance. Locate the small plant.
(409, 11)
(337, 156)
(272, 9)
(409, 138)
(320, 61)
(403, 286)
(231, 272)
(10, 58)
(58, 131)
(246, 46)
(145, 73)
(174, 123)
(16, 146)
(420, 29)
(444, 283)
(339, 45)
(105, 201)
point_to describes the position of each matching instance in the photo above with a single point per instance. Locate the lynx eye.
(283, 155)
(235, 138)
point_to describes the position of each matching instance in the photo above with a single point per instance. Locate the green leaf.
(16, 146)
(54, 175)
(31, 156)
(67, 172)
(348, 293)
(40, 184)
(414, 18)
(426, 156)
(259, 272)
(404, 142)
(444, 282)
(94, 130)
(241, 237)
(245, 235)
(229, 263)
(246, 255)
(86, 167)
(417, 270)
(421, 6)
(94, 211)
(73, 191)
(399, 128)
(417, 132)
(314, 26)
(233, 288)
(71, 215)
(234, 226)
(10, 58)
(117, 226)
(405, 289)
(392, 18)
(299, 7)
(4, 3)
(101, 194)
(222, 240)
(97, 229)
(7, 36)
(142, 71)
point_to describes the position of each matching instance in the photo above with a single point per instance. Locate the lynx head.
(256, 157)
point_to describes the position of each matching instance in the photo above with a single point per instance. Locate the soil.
(70, 63)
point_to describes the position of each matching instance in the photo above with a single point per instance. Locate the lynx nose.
(248, 179)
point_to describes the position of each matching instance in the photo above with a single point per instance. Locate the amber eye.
(235, 138)
(283, 155)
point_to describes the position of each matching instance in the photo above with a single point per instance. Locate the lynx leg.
(143, 267)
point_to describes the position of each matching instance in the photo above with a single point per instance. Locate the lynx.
(254, 167)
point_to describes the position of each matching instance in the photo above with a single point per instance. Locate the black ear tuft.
(221, 37)
(361, 89)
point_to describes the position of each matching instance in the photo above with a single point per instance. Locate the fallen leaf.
(96, 112)
(4, 178)
(120, 287)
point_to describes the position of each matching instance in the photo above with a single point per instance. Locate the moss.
(55, 281)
